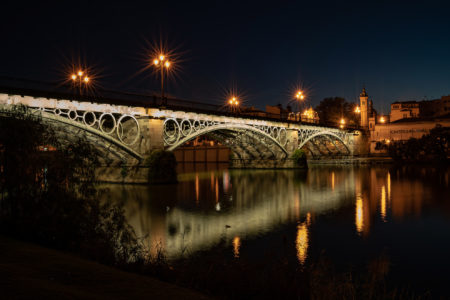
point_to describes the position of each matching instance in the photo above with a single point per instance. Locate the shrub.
(162, 167)
(299, 158)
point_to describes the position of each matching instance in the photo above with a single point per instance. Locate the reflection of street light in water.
(302, 243)
(236, 246)
(359, 217)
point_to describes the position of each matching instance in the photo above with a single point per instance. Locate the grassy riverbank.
(28, 271)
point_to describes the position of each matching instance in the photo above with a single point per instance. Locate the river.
(349, 214)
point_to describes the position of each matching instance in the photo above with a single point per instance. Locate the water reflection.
(301, 242)
(198, 212)
(383, 204)
(359, 214)
(236, 246)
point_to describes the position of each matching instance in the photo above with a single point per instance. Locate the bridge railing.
(66, 91)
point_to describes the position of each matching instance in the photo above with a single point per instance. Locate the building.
(420, 109)
(404, 110)
(408, 119)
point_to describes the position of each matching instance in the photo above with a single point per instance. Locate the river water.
(350, 214)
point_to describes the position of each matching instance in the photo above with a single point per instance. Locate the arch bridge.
(127, 133)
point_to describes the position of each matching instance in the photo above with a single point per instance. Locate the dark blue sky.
(264, 49)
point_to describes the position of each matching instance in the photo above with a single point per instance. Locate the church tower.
(363, 101)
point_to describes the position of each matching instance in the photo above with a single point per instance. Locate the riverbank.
(352, 161)
(28, 271)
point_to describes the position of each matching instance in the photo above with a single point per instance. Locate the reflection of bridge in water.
(234, 205)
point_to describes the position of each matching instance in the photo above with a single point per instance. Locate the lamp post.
(162, 62)
(234, 104)
(79, 79)
(299, 96)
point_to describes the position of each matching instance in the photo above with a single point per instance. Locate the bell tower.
(363, 102)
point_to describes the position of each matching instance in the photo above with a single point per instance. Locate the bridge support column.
(151, 135)
(292, 141)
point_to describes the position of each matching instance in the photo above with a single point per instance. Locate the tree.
(332, 109)
(50, 197)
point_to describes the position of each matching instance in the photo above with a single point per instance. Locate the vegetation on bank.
(48, 194)
(162, 167)
(299, 157)
(432, 147)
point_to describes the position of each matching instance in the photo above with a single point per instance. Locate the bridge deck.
(41, 89)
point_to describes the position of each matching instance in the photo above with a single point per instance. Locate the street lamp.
(382, 119)
(162, 62)
(299, 96)
(342, 123)
(79, 79)
(357, 110)
(234, 104)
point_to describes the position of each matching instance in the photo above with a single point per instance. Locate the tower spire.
(363, 99)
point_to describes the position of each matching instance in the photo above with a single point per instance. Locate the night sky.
(261, 49)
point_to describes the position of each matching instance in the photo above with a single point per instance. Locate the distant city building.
(420, 109)
(277, 111)
(310, 116)
(404, 110)
(408, 119)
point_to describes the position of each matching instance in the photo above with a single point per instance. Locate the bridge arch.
(268, 139)
(326, 134)
(67, 128)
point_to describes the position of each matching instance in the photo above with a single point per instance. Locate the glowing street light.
(342, 123)
(357, 110)
(162, 62)
(382, 119)
(79, 79)
(234, 104)
(300, 95)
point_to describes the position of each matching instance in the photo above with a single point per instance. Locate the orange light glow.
(383, 204)
(357, 110)
(80, 73)
(359, 214)
(382, 120)
(161, 57)
(233, 101)
(167, 64)
(156, 62)
(74, 77)
(236, 246)
(302, 243)
(86, 79)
